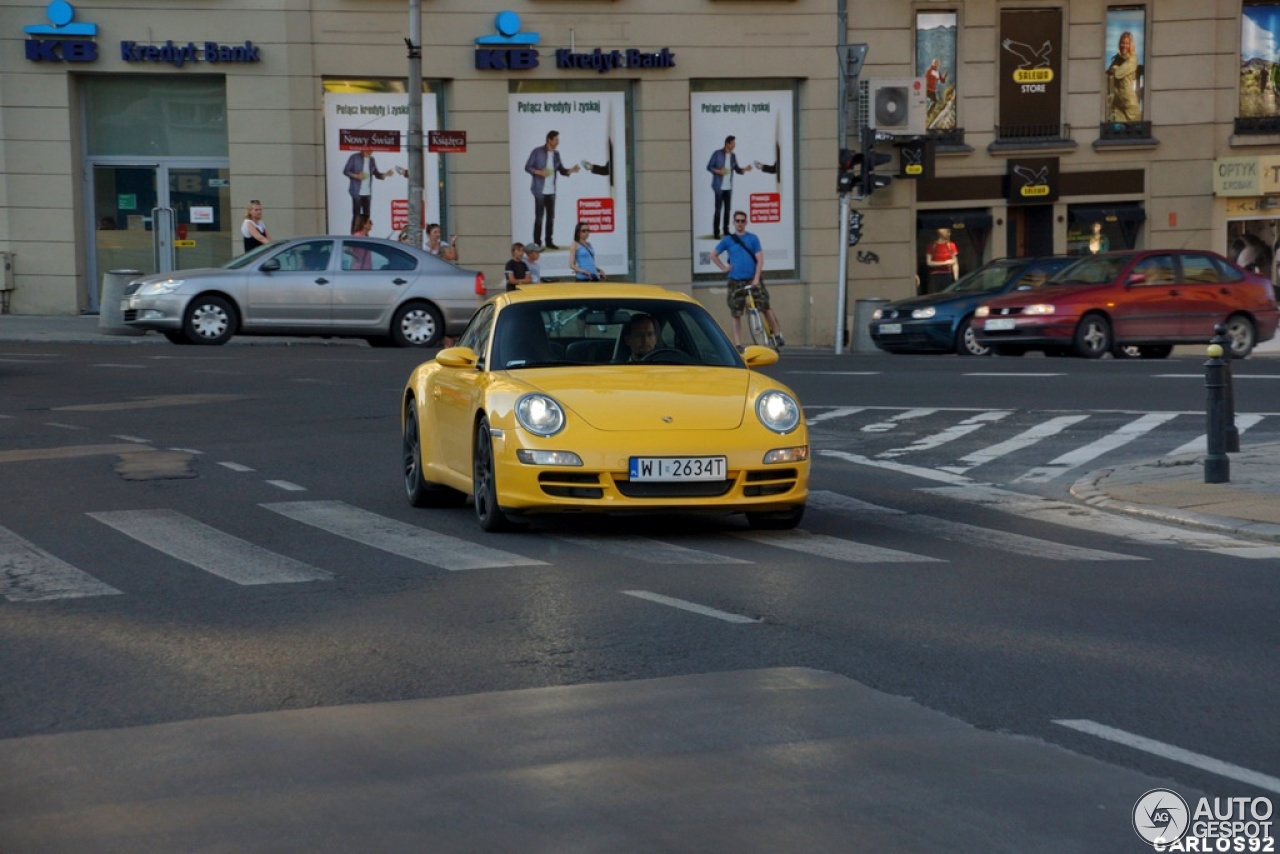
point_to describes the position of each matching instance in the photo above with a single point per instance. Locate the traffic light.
(870, 160)
(847, 175)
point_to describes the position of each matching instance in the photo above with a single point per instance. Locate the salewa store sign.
(508, 49)
(64, 39)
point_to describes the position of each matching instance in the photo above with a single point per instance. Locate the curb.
(1089, 491)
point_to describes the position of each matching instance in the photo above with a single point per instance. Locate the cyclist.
(746, 263)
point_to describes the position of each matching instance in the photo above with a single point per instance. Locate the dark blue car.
(942, 322)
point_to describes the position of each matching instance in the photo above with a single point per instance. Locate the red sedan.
(1146, 301)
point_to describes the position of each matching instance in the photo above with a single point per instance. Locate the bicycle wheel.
(755, 323)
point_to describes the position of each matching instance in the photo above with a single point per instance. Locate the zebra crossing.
(30, 573)
(1010, 446)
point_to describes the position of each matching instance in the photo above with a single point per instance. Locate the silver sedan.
(388, 293)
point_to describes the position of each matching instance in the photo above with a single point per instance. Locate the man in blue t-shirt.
(746, 263)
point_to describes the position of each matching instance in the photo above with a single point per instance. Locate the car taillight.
(480, 284)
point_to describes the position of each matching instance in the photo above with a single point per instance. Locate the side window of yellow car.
(476, 335)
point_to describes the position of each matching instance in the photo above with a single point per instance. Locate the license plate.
(999, 324)
(891, 329)
(678, 468)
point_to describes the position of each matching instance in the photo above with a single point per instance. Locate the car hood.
(1047, 293)
(648, 397)
(938, 300)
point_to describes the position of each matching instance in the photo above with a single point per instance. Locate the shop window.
(156, 116)
(968, 230)
(1124, 75)
(1097, 228)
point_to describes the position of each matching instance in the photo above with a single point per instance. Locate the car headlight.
(155, 289)
(1039, 308)
(539, 414)
(982, 311)
(922, 313)
(877, 314)
(777, 411)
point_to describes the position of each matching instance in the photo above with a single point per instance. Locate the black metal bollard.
(1217, 465)
(1233, 435)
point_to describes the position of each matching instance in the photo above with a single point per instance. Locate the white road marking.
(1023, 440)
(1086, 518)
(137, 439)
(114, 365)
(1200, 445)
(689, 606)
(917, 471)
(1074, 459)
(916, 523)
(235, 466)
(645, 549)
(287, 486)
(67, 452)
(1009, 374)
(838, 412)
(964, 428)
(208, 548)
(833, 548)
(839, 373)
(63, 426)
(1176, 754)
(396, 537)
(895, 420)
(191, 451)
(30, 574)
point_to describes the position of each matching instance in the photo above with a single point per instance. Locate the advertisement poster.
(1259, 69)
(579, 140)
(1125, 65)
(936, 63)
(1030, 72)
(377, 123)
(759, 172)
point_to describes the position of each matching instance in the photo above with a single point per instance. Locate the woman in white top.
(253, 229)
(436, 246)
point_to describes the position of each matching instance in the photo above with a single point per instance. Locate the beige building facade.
(133, 137)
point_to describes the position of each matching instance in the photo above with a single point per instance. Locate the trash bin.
(110, 317)
(862, 311)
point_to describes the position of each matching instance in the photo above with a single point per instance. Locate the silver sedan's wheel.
(1242, 334)
(209, 320)
(417, 324)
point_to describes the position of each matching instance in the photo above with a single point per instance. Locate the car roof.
(592, 290)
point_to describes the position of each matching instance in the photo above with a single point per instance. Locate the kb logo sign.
(507, 49)
(62, 39)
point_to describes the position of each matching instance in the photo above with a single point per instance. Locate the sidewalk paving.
(1170, 489)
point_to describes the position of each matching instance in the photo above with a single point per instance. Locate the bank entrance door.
(158, 216)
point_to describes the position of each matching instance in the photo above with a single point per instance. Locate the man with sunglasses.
(746, 263)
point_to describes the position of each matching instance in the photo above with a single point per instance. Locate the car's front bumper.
(602, 483)
(1029, 332)
(914, 335)
(162, 313)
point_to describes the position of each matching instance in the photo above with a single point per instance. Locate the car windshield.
(1093, 270)
(252, 255)
(991, 277)
(606, 331)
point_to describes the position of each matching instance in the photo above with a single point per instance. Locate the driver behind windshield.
(641, 336)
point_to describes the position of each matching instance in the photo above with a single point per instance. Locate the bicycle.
(761, 330)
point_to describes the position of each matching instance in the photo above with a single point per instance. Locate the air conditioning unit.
(896, 105)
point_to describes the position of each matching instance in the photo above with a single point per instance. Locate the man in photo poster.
(545, 165)
(723, 165)
(361, 169)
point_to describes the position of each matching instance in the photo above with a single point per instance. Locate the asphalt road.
(1011, 622)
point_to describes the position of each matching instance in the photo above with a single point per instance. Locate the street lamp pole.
(417, 162)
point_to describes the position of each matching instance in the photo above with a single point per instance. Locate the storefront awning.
(930, 220)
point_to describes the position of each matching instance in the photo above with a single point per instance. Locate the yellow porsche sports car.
(571, 398)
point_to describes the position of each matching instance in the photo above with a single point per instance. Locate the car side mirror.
(759, 357)
(1023, 288)
(457, 357)
(270, 266)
